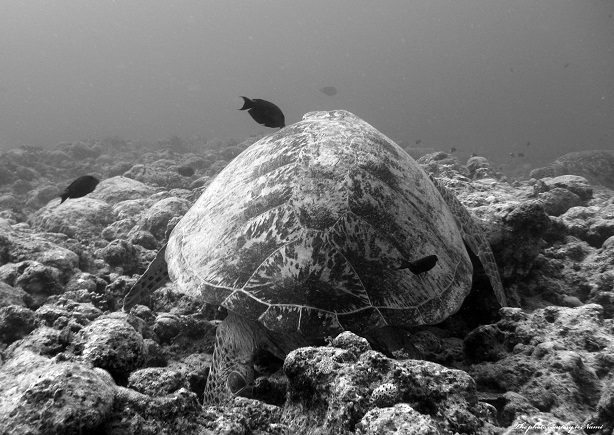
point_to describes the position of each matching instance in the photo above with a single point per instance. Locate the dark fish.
(186, 171)
(474, 155)
(528, 143)
(264, 112)
(512, 155)
(80, 187)
(566, 65)
(329, 90)
(421, 265)
(418, 141)
(452, 150)
(520, 155)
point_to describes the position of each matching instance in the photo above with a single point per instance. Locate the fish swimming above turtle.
(329, 90)
(314, 230)
(595, 165)
(80, 187)
(264, 112)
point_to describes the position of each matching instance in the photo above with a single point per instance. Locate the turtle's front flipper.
(154, 277)
(474, 237)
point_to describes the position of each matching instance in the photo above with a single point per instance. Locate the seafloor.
(73, 363)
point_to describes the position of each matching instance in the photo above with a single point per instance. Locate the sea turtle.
(324, 226)
(595, 165)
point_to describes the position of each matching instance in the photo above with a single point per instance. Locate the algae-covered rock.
(42, 396)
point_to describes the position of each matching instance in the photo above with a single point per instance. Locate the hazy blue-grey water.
(482, 76)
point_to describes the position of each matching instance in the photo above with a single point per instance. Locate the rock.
(139, 325)
(554, 359)
(81, 217)
(156, 219)
(116, 189)
(130, 209)
(67, 313)
(604, 417)
(245, 416)
(118, 230)
(177, 413)
(514, 406)
(13, 296)
(441, 163)
(113, 345)
(167, 326)
(117, 168)
(37, 280)
(15, 323)
(40, 396)
(120, 254)
(331, 390)
(484, 344)
(22, 245)
(85, 281)
(271, 389)
(144, 239)
(573, 183)
(479, 168)
(400, 419)
(80, 150)
(43, 341)
(5, 226)
(542, 423)
(591, 224)
(157, 381)
(42, 195)
(6, 175)
(558, 200)
(523, 227)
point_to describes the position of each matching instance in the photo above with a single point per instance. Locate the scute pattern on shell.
(306, 230)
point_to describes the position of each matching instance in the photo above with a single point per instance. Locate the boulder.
(79, 217)
(41, 396)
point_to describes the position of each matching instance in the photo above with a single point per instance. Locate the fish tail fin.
(248, 104)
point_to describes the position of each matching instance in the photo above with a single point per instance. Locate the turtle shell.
(306, 230)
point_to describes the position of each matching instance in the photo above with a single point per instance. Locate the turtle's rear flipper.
(474, 237)
(154, 277)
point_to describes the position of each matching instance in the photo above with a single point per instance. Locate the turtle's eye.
(236, 383)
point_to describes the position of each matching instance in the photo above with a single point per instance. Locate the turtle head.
(237, 385)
